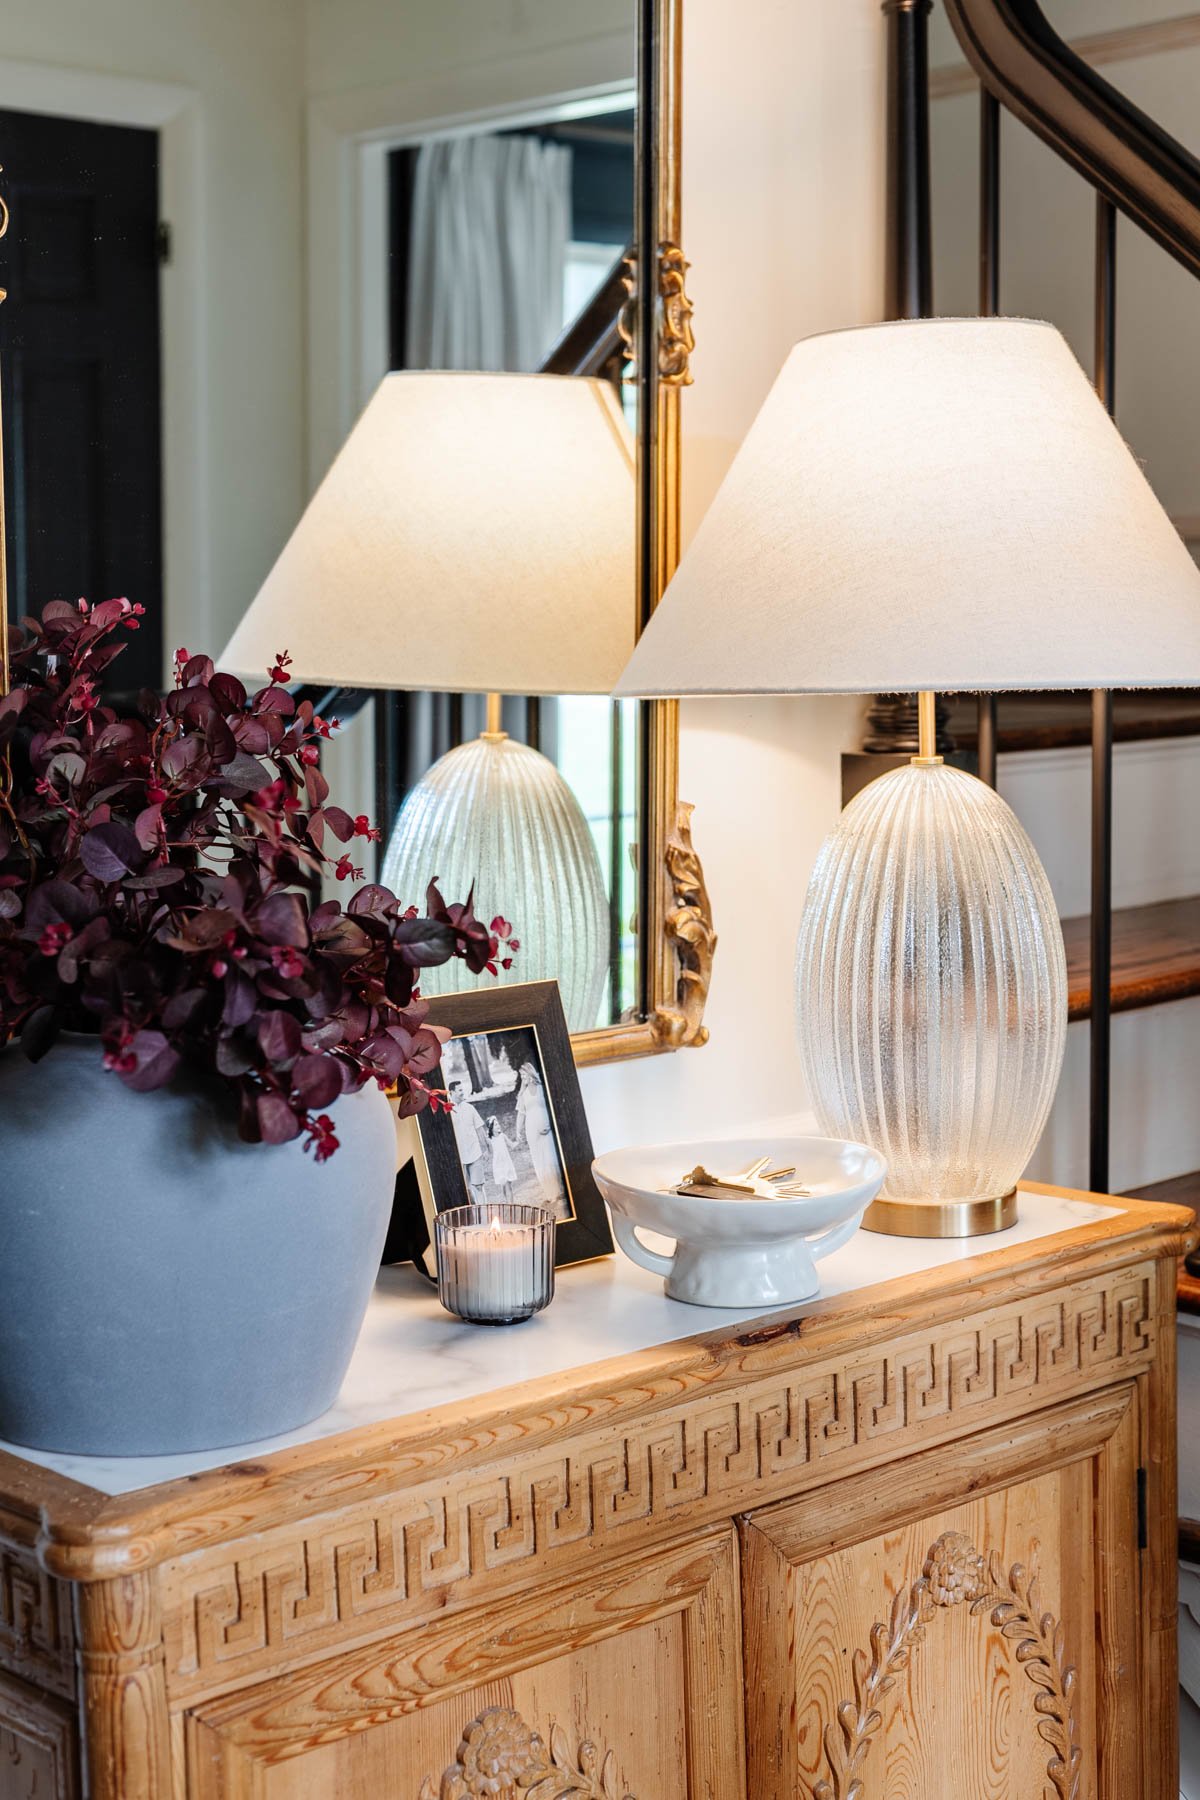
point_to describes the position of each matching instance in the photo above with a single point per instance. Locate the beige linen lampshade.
(929, 504)
(475, 533)
(923, 505)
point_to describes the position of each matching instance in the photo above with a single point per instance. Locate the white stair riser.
(1156, 819)
(1155, 1118)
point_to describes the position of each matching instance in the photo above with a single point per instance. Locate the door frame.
(174, 112)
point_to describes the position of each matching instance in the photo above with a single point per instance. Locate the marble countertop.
(412, 1355)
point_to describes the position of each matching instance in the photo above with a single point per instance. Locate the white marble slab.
(412, 1355)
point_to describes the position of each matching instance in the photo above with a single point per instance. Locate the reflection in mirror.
(500, 245)
(465, 197)
(461, 511)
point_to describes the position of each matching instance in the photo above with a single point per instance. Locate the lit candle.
(495, 1262)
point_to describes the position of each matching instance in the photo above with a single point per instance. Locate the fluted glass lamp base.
(941, 1218)
(932, 997)
(495, 816)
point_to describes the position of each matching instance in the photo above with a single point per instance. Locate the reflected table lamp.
(930, 505)
(475, 533)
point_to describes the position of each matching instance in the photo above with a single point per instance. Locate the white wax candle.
(492, 1271)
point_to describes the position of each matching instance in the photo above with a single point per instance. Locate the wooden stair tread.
(1042, 721)
(1179, 1190)
(1155, 956)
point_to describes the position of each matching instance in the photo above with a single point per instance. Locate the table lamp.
(475, 533)
(930, 505)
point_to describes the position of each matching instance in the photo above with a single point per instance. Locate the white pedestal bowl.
(740, 1251)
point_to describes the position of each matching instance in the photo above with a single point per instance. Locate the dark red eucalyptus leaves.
(148, 890)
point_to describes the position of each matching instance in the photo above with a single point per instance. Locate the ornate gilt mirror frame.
(676, 936)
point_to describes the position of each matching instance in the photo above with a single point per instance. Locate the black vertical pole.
(989, 306)
(909, 268)
(908, 274)
(646, 217)
(616, 880)
(1102, 746)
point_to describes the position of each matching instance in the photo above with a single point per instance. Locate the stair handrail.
(1124, 154)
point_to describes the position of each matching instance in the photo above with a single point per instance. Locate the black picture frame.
(534, 1007)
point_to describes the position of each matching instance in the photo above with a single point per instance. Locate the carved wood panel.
(39, 1754)
(362, 1571)
(983, 1645)
(37, 1640)
(623, 1686)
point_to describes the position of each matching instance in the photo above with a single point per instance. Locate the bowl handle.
(835, 1237)
(635, 1250)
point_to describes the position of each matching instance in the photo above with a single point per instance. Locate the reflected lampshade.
(475, 534)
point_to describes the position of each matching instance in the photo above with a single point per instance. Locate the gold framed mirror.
(676, 935)
(252, 371)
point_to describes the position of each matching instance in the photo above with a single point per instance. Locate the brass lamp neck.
(927, 756)
(494, 731)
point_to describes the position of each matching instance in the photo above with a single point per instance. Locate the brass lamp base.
(941, 1218)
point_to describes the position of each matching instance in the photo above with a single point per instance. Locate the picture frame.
(518, 1129)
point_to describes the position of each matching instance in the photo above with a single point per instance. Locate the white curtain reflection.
(491, 221)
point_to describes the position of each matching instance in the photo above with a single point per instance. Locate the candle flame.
(495, 1226)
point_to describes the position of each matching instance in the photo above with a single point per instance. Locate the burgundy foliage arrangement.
(151, 890)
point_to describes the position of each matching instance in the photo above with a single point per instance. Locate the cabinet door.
(624, 1685)
(965, 1623)
(39, 1751)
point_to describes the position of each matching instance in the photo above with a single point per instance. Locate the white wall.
(243, 64)
(372, 43)
(1048, 235)
(783, 222)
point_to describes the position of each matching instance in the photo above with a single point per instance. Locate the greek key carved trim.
(954, 1575)
(362, 1570)
(501, 1756)
(37, 1640)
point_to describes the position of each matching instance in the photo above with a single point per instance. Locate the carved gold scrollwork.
(955, 1574)
(676, 339)
(689, 928)
(502, 1757)
(627, 317)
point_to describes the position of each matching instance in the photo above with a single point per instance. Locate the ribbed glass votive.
(495, 1262)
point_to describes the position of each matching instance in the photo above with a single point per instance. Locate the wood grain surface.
(548, 1574)
(1155, 956)
(958, 1702)
(642, 1662)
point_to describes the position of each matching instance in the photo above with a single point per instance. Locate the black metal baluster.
(989, 306)
(908, 294)
(909, 269)
(1102, 746)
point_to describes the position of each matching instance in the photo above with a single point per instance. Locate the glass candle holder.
(495, 1262)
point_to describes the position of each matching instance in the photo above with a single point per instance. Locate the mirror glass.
(225, 231)
(505, 250)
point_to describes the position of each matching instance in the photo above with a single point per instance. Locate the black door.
(79, 372)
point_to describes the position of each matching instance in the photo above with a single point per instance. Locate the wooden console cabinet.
(915, 1540)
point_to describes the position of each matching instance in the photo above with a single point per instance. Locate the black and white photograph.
(515, 1128)
(503, 1125)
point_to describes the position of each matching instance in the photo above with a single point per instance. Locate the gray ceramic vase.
(163, 1286)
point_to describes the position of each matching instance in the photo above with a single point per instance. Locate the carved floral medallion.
(503, 1758)
(956, 1574)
